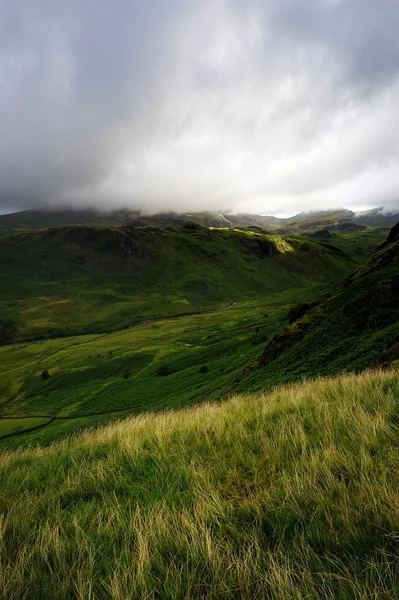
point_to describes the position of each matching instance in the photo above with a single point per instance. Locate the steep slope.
(83, 279)
(356, 327)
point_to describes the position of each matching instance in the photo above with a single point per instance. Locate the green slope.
(357, 327)
(81, 279)
(359, 243)
(342, 229)
(282, 496)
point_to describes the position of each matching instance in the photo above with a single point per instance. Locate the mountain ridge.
(44, 218)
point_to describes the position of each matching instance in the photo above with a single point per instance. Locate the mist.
(260, 106)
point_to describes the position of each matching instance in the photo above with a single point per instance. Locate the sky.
(273, 106)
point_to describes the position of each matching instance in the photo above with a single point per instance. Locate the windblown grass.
(288, 495)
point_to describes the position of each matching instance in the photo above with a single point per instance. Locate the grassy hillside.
(97, 378)
(342, 217)
(358, 243)
(79, 279)
(342, 229)
(356, 327)
(291, 494)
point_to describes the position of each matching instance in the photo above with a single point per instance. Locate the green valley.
(130, 320)
(174, 410)
(79, 279)
(95, 378)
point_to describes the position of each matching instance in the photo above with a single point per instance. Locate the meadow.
(289, 494)
(97, 378)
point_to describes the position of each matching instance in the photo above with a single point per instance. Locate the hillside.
(340, 219)
(356, 236)
(291, 494)
(80, 279)
(356, 327)
(377, 218)
(43, 219)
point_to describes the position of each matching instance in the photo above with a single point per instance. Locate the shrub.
(126, 374)
(297, 311)
(7, 330)
(163, 370)
(45, 375)
(203, 369)
(259, 339)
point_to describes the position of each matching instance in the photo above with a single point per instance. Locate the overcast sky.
(272, 106)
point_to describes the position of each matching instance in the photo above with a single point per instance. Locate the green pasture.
(96, 378)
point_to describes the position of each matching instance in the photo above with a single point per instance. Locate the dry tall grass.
(288, 495)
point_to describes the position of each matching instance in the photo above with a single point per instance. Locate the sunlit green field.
(100, 377)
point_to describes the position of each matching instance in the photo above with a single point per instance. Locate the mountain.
(45, 218)
(355, 328)
(81, 279)
(306, 222)
(376, 217)
(342, 220)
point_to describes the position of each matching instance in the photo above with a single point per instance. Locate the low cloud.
(261, 106)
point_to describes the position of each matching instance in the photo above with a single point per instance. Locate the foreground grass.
(292, 494)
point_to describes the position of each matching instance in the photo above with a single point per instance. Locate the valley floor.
(98, 378)
(290, 494)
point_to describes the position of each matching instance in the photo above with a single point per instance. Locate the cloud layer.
(270, 106)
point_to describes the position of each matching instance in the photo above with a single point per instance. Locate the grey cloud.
(270, 106)
(359, 34)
